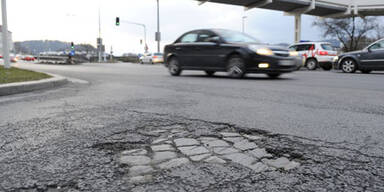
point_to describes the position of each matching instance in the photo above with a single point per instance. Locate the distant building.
(9, 40)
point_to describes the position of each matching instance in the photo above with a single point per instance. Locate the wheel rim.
(235, 69)
(348, 66)
(311, 64)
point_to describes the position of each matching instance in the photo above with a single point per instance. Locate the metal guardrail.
(60, 60)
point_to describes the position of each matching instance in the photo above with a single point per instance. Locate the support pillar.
(297, 28)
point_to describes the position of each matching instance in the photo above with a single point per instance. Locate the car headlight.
(261, 50)
(335, 58)
(293, 53)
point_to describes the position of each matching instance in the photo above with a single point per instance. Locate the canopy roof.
(322, 8)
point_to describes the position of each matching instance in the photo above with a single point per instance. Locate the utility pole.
(99, 40)
(5, 53)
(158, 34)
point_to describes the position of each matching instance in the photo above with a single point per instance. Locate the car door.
(148, 58)
(185, 50)
(207, 50)
(374, 58)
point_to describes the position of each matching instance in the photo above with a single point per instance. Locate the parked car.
(28, 58)
(367, 60)
(151, 58)
(213, 50)
(316, 54)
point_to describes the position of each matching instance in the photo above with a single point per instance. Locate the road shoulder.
(22, 87)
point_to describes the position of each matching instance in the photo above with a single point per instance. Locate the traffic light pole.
(158, 34)
(145, 31)
(5, 53)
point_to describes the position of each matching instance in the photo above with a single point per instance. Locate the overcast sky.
(77, 21)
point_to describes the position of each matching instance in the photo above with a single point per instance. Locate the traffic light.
(117, 21)
(72, 45)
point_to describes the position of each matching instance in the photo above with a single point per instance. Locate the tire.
(311, 64)
(366, 71)
(141, 62)
(274, 75)
(210, 73)
(236, 67)
(174, 67)
(348, 66)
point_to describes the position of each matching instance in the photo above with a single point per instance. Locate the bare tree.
(349, 31)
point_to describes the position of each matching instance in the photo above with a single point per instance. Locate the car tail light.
(154, 57)
(323, 52)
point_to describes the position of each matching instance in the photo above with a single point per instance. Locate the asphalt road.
(321, 106)
(329, 106)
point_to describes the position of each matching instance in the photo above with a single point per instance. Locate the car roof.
(311, 42)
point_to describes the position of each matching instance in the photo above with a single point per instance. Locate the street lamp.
(244, 17)
(158, 34)
(5, 53)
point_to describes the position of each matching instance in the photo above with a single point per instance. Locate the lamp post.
(5, 53)
(243, 26)
(158, 34)
(145, 32)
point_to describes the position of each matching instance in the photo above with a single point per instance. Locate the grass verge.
(14, 75)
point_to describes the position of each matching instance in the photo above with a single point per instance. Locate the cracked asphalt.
(72, 138)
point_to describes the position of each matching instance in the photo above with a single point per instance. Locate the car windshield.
(158, 54)
(236, 37)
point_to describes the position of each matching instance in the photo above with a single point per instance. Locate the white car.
(316, 54)
(152, 58)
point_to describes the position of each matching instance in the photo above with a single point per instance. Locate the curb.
(23, 87)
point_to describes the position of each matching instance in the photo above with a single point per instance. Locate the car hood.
(352, 53)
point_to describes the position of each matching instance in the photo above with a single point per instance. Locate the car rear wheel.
(348, 66)
(174, 67)
(236, 67)
(274, 75)
(366, 71)
(210, 73)
(311, 64)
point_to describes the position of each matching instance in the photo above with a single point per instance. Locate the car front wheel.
(348, 66)
(174, 67)
(236, 67)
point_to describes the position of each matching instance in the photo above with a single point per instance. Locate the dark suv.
(213, 50)
(369, 59)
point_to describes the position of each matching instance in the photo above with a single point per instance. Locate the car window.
(305, 47)
(158, 54)
(301, 47)
(236, 37)
(205, 36)
(293, 48)
(189, 38)
(378, 45)
(327, 47)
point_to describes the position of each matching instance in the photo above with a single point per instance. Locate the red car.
(28, 58)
